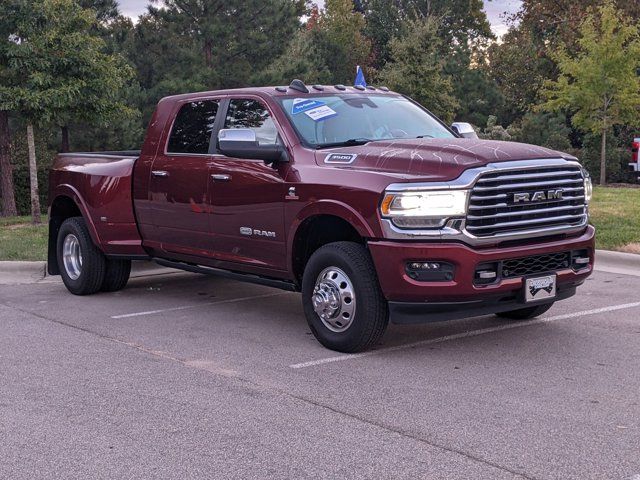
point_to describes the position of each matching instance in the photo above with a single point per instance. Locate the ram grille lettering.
(540, 196)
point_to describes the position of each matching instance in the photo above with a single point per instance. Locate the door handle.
(159, 173)
(220, 177)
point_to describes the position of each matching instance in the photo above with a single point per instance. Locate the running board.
(243, 277)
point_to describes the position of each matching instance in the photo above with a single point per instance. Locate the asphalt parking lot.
(185, 376)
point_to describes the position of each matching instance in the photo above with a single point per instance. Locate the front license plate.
(539, 288)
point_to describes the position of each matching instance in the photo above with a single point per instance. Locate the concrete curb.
(21, 272)
(617, 262)
(15, 273)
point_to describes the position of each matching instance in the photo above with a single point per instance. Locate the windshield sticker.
(321, 113)
(303, 104)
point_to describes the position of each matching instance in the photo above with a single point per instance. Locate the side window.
(192, 128)
(246, 113)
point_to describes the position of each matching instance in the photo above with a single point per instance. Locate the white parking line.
(472, 333)
(185, 307)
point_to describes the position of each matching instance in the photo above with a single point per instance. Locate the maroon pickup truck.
(358, 198)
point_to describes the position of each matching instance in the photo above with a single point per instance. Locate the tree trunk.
(603, 158)
(64, 145)
(6, 170)
(208, 53)
(33, 177)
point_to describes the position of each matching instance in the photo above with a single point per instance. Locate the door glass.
(247, 113)
(192, 128)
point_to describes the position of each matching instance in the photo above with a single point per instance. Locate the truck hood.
(432, 159)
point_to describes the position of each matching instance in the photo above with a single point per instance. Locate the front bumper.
(412, 301)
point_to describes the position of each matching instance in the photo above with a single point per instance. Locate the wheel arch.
(66, 204)
(319, 224)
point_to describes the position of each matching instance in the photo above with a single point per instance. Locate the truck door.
(180, 182)
(247, 196)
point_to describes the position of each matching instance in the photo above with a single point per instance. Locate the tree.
(462, 24)
(6, 170)
(600, 84)
(343, 28)
(56, 69)
(106, 10)
(416, 69)
(7, 103)
(326, 50)
(519, 67)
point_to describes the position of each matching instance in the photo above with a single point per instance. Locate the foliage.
(56, 69)
(343, 28)
(545, 129)
(600, 84)
(44, 153)
(304, 58)
(415, 68)
(617, 154)
(519, 68)
(494, 131)
(326, 51)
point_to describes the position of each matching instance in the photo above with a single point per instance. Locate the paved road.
(186, 376)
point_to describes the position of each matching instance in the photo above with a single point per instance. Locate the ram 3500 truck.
(358, 198)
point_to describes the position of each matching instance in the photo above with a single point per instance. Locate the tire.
(525, 313)
(357, 318)
(116, 275)
(83, 270)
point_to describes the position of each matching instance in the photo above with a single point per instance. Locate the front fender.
(327, 207)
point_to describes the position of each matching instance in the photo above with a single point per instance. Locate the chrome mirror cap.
(237, 135)
(464, 129)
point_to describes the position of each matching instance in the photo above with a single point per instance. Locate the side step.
(243, 277)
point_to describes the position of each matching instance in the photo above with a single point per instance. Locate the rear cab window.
(192, 128)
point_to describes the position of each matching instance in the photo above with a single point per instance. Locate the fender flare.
(66, 190)
(326, 207)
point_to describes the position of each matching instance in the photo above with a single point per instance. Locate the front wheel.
(525, 313)
(82, 265)
(342, 300)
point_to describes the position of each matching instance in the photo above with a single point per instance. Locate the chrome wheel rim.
(334, 299)
(72, 256)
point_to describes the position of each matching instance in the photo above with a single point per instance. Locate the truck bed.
(100, 184)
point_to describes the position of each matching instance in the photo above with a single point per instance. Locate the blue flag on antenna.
(359, 77)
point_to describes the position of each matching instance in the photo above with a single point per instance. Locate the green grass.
(615, 212)
(20, 240)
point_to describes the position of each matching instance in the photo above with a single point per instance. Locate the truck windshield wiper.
(346, 143)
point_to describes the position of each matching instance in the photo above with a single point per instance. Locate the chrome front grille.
(520, 201)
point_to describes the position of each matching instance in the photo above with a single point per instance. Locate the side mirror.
(464, 129)
(242, 143)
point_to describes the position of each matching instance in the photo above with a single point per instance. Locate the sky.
(495, 11)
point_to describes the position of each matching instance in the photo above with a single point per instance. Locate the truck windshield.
(337, 120)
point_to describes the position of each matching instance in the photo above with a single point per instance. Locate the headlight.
(424, 209)
(588, 186)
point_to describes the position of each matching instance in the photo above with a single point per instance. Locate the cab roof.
(296, 87)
